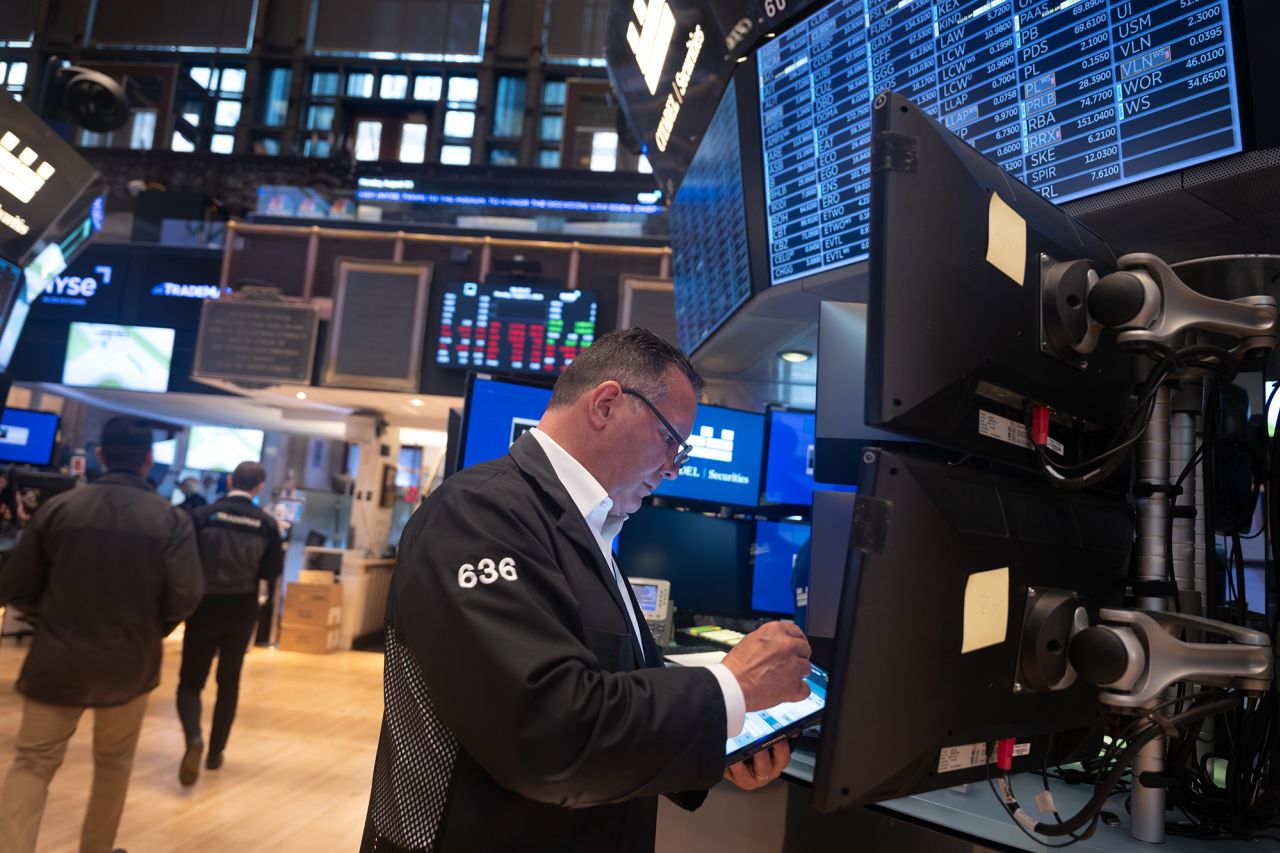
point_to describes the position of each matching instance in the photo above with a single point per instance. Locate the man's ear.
(602, 402)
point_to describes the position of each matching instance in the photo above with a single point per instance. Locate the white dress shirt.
(594, 503)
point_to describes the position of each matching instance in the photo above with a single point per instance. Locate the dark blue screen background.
(493, 410)
(774, 551)
(42, 427)
(788, 477)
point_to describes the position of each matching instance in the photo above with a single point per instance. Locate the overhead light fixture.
(301, 395)
(742, 59)
(769, 35)
(415, 402)
(795, 356)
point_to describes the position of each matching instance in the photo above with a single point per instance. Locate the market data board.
(514, 328)
(1071, 96)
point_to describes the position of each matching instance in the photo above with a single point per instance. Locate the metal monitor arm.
(1146, 302)
(1134, 656)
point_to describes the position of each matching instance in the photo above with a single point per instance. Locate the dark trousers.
(222, 626)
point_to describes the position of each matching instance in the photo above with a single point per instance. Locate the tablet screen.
(788, 718)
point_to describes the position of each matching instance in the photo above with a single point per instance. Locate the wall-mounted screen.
(132, 358)
(27, 437)
(211, 448)
(1070, 97)
(773, 562)
(164, 452)
(724, 466)
(514, 328)
(497, 412)
(709, 232)
(790, 459)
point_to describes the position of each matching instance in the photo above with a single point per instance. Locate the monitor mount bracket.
(1133, 656)
(1145, 302)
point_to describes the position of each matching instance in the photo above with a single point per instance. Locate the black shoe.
(213, 761)
(189, 769)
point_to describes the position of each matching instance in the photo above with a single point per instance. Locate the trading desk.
(965, 819)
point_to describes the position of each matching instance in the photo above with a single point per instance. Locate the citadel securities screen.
(1071, 96)
(497, 414)
(508, 327)
(724, 466)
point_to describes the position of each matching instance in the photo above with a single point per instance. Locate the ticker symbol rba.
(651, 41)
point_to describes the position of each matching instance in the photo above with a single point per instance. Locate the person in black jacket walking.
(108, 570)
(239, 545)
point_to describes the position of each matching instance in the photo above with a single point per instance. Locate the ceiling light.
(301, 395)
(795, 356)
(415, 402)
(742, 59)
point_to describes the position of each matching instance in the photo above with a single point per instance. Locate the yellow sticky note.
(1006, 240)
(986, 609)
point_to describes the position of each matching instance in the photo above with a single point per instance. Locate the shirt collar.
(584, 490)
(237, 493)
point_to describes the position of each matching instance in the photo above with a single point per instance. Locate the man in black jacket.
(108, 570)
(239, 545)
(526, 705)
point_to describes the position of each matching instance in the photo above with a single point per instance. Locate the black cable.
(1125, 759)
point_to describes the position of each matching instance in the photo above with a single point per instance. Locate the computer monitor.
(791, 459)
(724, 467)
(831, 526)
(496, 413)
(27, 437)
(707, 559)
(514, 328)
(958, 296)
(929, 642)
(773, 563)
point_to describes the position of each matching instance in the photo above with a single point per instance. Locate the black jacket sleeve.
(271, 565)
(492, 620)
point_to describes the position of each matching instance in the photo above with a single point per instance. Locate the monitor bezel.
(53, 445)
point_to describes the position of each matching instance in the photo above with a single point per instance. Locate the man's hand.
(770, 664)
(760, 769)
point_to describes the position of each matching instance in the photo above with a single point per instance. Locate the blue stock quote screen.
(498, 413)
(1070, 96)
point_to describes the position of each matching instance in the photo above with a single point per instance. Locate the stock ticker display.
(709, 231)
(1070, 96)
(514, 328)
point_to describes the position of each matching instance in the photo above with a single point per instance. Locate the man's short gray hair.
(635, 358)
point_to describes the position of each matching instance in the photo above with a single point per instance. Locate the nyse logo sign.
(652, 41)
(75, 289)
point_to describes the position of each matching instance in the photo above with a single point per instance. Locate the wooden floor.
(297, 767)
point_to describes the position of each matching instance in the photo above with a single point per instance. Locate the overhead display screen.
(1071, 96)
(132, 358)
(712, 276)
(724, 466)
(514, 328)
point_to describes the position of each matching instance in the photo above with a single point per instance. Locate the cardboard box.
(312, 605)
(308, 577)
(309, 639)
(314, 593)
(310, 615)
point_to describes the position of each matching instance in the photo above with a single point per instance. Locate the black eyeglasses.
(682, 453)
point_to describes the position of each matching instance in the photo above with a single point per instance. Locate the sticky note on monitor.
(986, 609)
(1006, 240)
